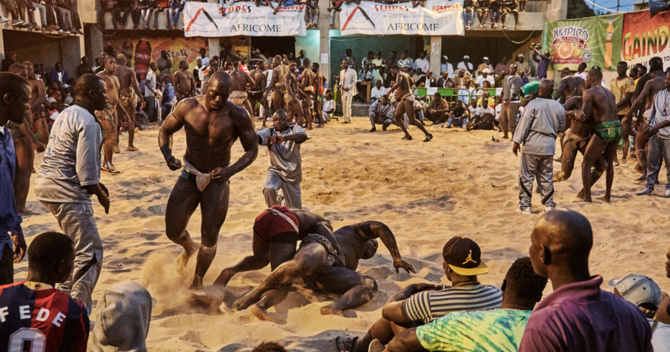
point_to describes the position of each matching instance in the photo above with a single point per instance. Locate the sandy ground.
(459, 184)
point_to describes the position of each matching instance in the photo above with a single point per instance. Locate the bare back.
(240, 81)
(210, 134)
(599, 104)
(579, 127)
(260, 80)
(653, 86)
(113, 86)
(308, 79)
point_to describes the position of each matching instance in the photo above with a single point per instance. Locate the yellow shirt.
(620, 87)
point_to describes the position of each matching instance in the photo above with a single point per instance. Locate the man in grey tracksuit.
(537, 130)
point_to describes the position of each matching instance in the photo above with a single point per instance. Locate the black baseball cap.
(464, 257)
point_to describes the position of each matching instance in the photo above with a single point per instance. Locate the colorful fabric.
(609, 131)
(494, 330)
(269, 223)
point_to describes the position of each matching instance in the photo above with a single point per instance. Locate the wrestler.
(318, 92)
(128, 87)
(313, 265)
(241, 81)
(294, 107)
(38, 103)
(109, 117)
(25, 145)
(280, 96)
(405, 99)
(577, 137)
(307, 81)
(212, 126)
(184, 82)
(256, 92)
(643, 102)
(569, 86)
(599, 105)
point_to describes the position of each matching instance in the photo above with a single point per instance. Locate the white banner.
(438, 17)
(206, 20)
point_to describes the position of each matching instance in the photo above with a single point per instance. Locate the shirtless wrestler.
(569, 86)
(241, 81)
(314, 265)
(405, 99)
(307, 88)
(642, 103)
(278, 88)
(184, 82)
(577, 137)
(25, 145)
(109, 117)
(599, 105)
(38, 103)
(212, 126)
(129, 90)
(256, 92)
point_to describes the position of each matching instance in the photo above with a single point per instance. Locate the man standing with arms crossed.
(348, 86)
(69, 175)
(542, 120)
(129, 89)
(658, 133)
(511, 100)
(213, 125)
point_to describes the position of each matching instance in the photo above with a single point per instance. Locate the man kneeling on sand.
(485, 330)
(422, 303)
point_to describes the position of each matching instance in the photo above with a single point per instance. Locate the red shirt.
(41, 320)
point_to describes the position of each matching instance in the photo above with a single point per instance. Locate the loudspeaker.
(656, 7)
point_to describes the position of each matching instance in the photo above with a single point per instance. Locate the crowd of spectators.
(55, 15)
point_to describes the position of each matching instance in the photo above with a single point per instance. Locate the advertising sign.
(594, 41)
(203, 19)
(644, 37)
(437, 17)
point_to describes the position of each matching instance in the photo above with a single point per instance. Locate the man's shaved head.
(546, 88)
(561, 243)
(121, 59)
(19, 70)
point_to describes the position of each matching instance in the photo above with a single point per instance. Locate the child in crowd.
(328, 106)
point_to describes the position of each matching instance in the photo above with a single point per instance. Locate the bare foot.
(580, 195)
(224, 277)
(329, 310)
(261, 314)
(245, 301)
(205, 301)
(605, 199)
(26, 212)
(184, 257)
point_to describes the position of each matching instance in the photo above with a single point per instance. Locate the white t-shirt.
(488, 110)
(329, 106)
(581, 75)
(377, 93)
(467, 67)
(423, 64)
(481, 79)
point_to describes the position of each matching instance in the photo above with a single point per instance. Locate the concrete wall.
(41, 49)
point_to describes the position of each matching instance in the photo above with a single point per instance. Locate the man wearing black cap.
(422, 303)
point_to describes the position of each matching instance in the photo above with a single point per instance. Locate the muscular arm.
(273, 81)
(625, 101)
(173, 123)
(248, 138)
(136, 86)
(41, 97)
(406, 341)
(250, 81)
(641, 99)
(587, 105)
(381, 231)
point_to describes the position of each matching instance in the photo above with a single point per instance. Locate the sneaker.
(495, 25)
(4, 19)
(407, 137)
(504, 27)
(616, 163)
(648, 190)
(523, 210)
(481, 26)
(548, 208)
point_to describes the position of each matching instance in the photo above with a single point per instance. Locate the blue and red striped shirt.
(41, 320)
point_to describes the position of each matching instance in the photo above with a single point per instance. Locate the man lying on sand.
(313, 264)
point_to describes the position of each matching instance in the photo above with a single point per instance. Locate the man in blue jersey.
(34, 316)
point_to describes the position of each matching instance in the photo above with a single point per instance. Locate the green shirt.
(490, 330)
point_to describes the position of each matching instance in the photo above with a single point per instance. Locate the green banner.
(595, 41)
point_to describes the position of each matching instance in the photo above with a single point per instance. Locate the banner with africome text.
(203, 19)
(594, 41)
(437, 17)
(645, 37)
